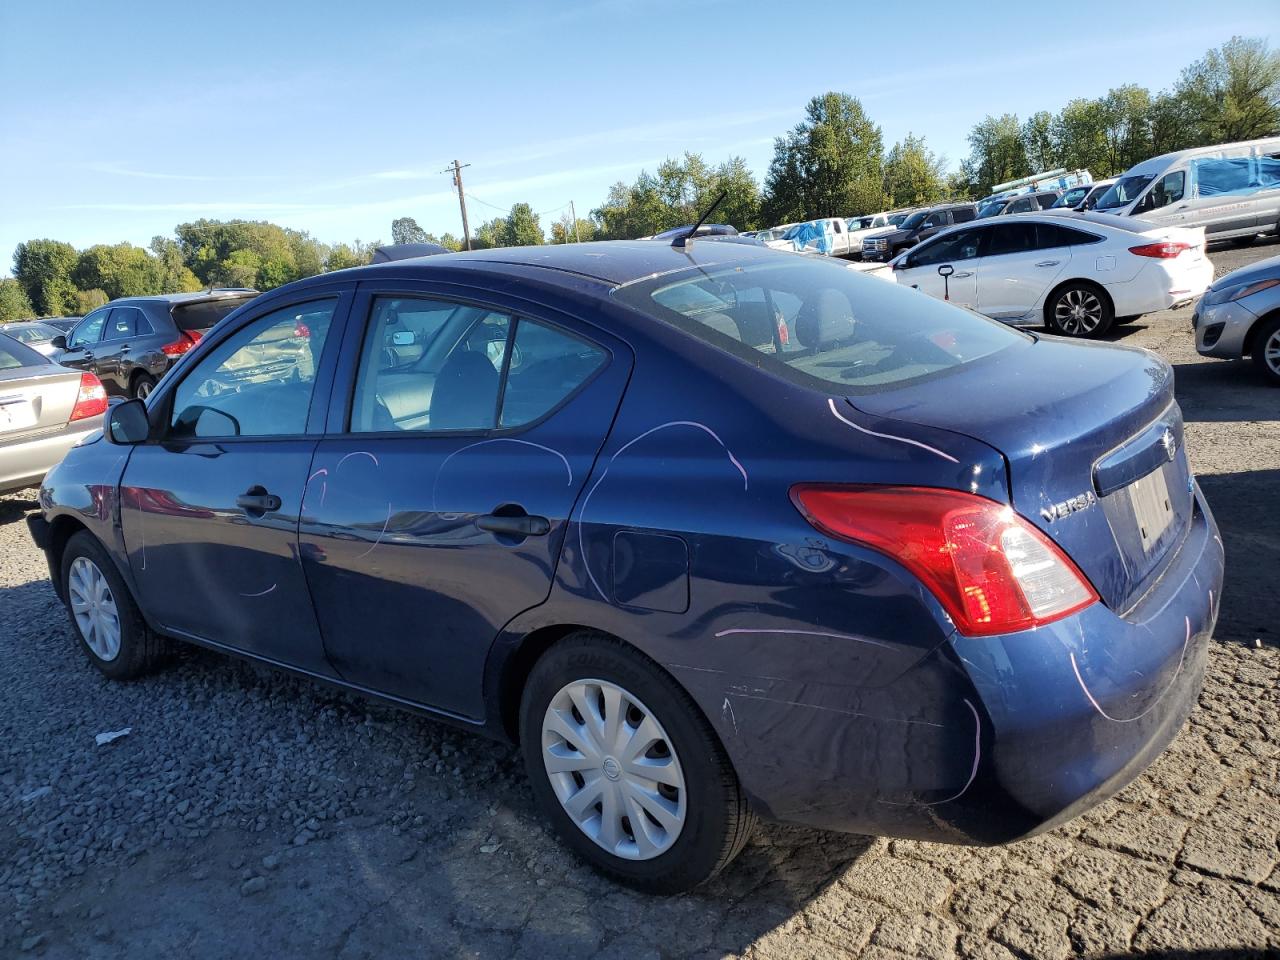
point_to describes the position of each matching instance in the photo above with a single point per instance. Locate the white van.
(1232, 190)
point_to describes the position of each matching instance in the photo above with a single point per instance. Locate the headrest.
(825, 320)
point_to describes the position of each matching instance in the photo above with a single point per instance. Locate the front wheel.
(627, 769)
(1079, 310)
(1266, 351)
(104, 617)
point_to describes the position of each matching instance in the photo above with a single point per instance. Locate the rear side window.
(1010, 238)
(825, 326)
(1056, 235)
(125, 322)
(547, 366)
(962, 214)
(1218, 176)
(1047, 200)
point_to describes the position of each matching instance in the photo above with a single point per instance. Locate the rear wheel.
(1266, 351)
(1079, 310)
(142, 385)
(627, 769)
(104, 617)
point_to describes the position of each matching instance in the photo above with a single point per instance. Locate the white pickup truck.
(828, 236)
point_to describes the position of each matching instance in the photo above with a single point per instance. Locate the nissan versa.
(710, 531)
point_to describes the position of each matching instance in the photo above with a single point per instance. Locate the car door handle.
(520, 525)
(1048, 263)
(961, 276)
(257, 502)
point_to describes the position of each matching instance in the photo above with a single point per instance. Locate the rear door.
(210, 508)
(437, 504)
(1016, 271)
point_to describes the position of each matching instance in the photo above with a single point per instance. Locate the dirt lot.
(249, 814)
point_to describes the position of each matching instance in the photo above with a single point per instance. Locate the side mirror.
(127, 423)
(59, 342)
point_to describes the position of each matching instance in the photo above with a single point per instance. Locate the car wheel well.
(1076, 281)
(1251, 337)
(61, 530)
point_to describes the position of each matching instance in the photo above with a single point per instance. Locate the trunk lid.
(35, 400)
(1093, 442)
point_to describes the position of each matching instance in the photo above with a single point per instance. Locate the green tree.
(680, 193)
(913, 174)
(447, 240)
(1126, 119)
(14, 304)
(829, 165)
(1080, 133)
(44, 268)
(89, 300)
(997, 154)
(1037, 141)
(173, 276)
(562, 231)
(406, 230)
(1233, 92)
(521, 228)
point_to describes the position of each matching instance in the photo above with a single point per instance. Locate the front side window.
(431, 365)
(88, 330)
(1020, 206)
(1168, 190)
(961, 245)
(1124, 191)
(258, 382)
(837, 331)
(933, 220)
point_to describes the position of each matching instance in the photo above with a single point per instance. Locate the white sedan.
(1073, 272)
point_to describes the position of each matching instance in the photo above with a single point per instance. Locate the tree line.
(832, 163)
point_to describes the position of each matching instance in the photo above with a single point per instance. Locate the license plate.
(1152, 507)
(16, 415)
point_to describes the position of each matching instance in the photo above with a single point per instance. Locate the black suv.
(921, 225)
(131, 342)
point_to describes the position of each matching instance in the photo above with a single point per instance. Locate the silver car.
(45, 410)
(36, 334)
(1239, 316)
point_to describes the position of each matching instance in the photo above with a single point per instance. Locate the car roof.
(610, 262)
(200, 296)
(16, 324)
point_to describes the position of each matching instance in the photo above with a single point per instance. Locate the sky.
(119, 121)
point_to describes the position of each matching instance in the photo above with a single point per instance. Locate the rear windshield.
(820, 323)
(204, 314)
(36, 333)
(13, 355)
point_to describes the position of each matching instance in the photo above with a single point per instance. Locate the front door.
(83, 339)
(435, 510)
(956, 256)
(210, 508)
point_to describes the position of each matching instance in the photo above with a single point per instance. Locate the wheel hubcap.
(613, 769)
(1271, 352)
(94, 608)
(1078, 312)
(144, 389)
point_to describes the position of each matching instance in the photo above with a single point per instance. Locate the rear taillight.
(91, 401)
(990, 569)
(187, 340)
(1164, 250)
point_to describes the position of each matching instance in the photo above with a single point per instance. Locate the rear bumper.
(23, 463)
(1161, 285)
(987, 740)
(1221, 329)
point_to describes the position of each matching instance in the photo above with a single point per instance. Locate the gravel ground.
(248, 813)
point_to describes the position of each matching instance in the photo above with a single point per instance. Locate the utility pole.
(574, 213)
(456, 170)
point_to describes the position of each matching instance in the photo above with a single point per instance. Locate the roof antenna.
(684, 238)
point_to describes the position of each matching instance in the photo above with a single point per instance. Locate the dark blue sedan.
(712, 532)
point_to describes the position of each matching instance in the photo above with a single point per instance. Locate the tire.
(597, 670)
(1079, 309)
(141, 385)
(137, 650)
(1266, 351)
